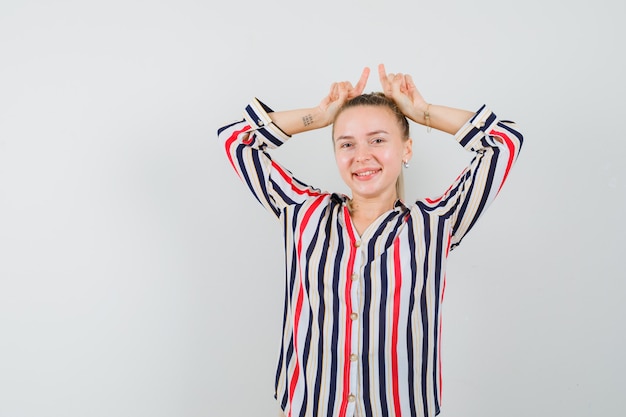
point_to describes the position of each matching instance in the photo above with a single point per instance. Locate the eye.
(378, 140)
(345, 145)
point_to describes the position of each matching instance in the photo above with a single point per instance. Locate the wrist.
(427, 118)
(422, 114)
(317, 118)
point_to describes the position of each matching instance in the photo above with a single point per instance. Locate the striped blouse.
(362, 313)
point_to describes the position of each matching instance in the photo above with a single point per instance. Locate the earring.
(405, 163)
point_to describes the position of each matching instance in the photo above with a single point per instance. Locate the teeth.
(363, 174)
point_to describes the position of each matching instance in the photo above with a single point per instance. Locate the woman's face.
(369, 150)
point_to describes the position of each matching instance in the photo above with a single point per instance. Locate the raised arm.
(246, 143)
(496, 144)
(401, 88)
(297, 121)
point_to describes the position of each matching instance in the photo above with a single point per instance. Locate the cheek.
(392, 156)
(343, 165)
(341, 159)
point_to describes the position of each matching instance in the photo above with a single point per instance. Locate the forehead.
(359, 119)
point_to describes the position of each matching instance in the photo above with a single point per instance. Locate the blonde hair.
(378, 99)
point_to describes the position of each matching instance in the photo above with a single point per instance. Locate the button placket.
(356, 323)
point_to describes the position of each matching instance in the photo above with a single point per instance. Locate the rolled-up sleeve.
(246, 142)
(496, 144)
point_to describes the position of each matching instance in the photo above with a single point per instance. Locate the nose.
(363, 154)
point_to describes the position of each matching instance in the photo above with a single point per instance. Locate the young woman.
(365, 274)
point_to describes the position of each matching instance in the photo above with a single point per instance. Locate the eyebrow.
(373, 133)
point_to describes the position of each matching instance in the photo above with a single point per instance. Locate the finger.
(409, 82)
(396, 81)
(382, 75)
(360, 86)
(333, 92)
(403, 84)
(343, 90)
(411, 88)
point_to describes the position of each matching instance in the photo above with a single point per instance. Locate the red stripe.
(436, 200)
(289, 180)
(229, 144)
(509, 144)
(348, 345)
(296, 371)
(300, 301)
(394, 331)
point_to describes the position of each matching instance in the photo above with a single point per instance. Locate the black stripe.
(244, 171)
(424, 312)
(439, 253)
(264, 106)
(366, 329)
(307, 283)
(484, 197)
(475, 131)
(284, 197)
(382, 307)
(410, 308)
(517, 134)
(279, 366)
(367, 299)
(290, 280)
(258, 167)
(337, 271)
(464, 201)
(477, 113)
(223, 128)
(252, 114)
(267, 134)
(382, 330)
(288, 359)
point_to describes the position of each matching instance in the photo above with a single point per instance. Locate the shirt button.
(354, 316)
(354, 357)
(351, 398)
(355, 277)
(357, 243)
(260, 123)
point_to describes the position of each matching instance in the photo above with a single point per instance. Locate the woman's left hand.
(402, 90)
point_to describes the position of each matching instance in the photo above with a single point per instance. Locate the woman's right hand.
(340, 92)
(296, 121)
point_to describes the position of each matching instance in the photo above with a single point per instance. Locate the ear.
(408, 149)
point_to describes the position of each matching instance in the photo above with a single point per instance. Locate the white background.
(139, 278)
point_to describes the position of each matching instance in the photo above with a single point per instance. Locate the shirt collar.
(397, 206)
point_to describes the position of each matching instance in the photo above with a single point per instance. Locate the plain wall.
(139, 278)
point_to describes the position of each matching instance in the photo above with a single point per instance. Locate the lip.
(366, 173)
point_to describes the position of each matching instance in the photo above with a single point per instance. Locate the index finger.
(360, 86)
(382, 74)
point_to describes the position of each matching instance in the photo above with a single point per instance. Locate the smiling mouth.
(366, 174)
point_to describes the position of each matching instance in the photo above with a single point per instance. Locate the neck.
(371, 208)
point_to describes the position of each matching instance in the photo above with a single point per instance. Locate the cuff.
(257, 116)
(476, 128)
